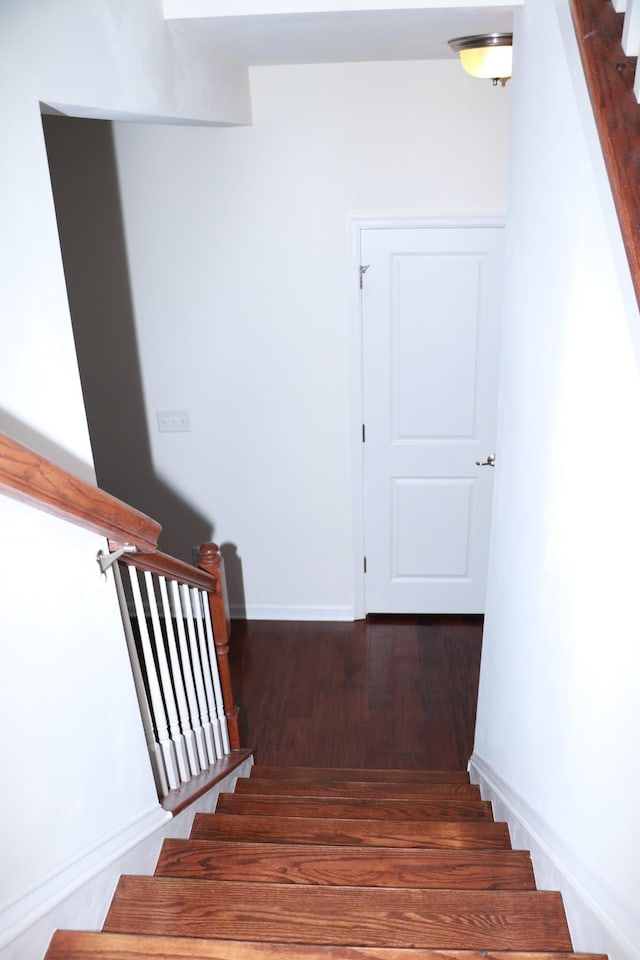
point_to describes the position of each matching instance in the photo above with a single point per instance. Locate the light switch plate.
(173, 421)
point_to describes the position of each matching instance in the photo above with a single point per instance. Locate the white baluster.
(619, 6)
(153, 746)
(187, 673)
(215, 675)
(631, 29)
(207, 670)
(166, 681)
(155, 693)
(192, 767)
(197, 672)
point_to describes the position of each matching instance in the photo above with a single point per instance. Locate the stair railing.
(608, 37)
(168, 609)
(175, 617)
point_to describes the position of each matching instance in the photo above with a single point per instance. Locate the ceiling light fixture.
(487, 55)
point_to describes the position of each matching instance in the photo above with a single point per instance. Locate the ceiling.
(415, 34)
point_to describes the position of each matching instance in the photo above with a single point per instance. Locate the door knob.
(489, 462)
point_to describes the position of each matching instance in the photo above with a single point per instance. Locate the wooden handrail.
(610, 75)
(165, 566)
(30, 478)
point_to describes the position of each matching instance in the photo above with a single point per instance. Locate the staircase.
(303, 863)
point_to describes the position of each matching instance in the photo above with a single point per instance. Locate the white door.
(430, 326)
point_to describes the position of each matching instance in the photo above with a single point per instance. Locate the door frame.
(357, 225)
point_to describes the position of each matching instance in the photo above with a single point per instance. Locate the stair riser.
(340, 773)
(411, 810)
(349, 790)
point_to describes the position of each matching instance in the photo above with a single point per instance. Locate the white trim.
(20, 912)
(358, 223)
(357, 418)
(275, 611)
(597, 921)
(84, 903)
(425, 221)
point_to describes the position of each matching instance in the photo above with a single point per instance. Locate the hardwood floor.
(378, 693)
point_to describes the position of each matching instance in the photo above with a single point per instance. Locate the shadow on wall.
(45, 447)
(84, 178)
(235, 581)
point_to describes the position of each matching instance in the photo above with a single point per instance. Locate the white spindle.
(166, 681)
(155, 693)
(631, 29)
(215, 675)
(636, 84)
(178, 685)
(175, 668)
(197, 672)
(153, 746)
(187, 673)
(207, 670)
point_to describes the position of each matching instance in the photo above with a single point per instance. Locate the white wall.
(559, 711)
(239, 252)
(107, 58)
(86, 905)
(76, 785)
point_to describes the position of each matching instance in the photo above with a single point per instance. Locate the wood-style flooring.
(385, 692)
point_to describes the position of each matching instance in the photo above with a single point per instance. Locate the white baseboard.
(269, 611)
(20, 912)
(78, 895)
(597, 921)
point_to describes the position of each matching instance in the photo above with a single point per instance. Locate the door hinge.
(363, 270)
(365, 564)
(364, 437)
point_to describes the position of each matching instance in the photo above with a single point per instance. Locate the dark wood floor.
(383, 692)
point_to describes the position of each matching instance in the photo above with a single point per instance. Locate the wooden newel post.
(212, 561)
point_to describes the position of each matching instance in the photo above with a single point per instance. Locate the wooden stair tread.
(368, 833)
(231, 803)
(354, 773)
(364, 866)
(308, 864)
(499, 920)
(79, 945)
(252, 786)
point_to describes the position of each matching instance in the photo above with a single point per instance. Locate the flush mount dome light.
(487, 55)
